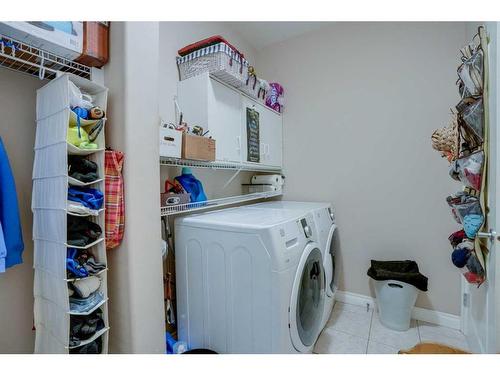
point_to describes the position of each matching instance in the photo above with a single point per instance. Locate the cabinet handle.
(238, 141)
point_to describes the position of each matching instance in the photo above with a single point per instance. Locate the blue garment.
(3, 250)
(90, 198)
(9, 212)
(72, 264)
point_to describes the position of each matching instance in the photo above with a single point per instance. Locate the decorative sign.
(253, 137)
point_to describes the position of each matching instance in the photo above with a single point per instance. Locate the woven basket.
(219, 60)
(447, 140)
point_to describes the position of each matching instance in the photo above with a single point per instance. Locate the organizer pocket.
(465, 259)
(463, 204)
(473, 270)
(469, 170)
(472, 114)
(471, 73)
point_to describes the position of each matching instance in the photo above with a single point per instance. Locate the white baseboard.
(418, 313)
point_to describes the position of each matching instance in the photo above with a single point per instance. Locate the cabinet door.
(251, 143)
(224, 121)
(271, 137)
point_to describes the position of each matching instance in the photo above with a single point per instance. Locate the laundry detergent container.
(396, 288)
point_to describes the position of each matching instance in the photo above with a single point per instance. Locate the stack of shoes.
(83, 327)
(82, 231)
(81, 263)
(94, 347)
(82, 169)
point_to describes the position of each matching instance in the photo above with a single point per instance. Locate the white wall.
(362, 100)
(17, 129)
(135, 267)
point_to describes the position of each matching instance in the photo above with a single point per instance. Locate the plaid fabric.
(114, 200)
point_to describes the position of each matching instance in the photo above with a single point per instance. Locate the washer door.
(308, 299)
(329, 261)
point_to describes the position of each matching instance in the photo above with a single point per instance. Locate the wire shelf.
(214, 203)
(21, 57)
(166, 161)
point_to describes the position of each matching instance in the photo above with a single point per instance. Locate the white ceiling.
(263, 34)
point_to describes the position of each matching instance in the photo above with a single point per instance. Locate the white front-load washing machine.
(327, 230)
(249, 281)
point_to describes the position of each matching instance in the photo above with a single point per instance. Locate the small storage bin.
(170, 141)
(195, 147)
(395, 300)
(171, 199)
(219, 60)
(395, 297)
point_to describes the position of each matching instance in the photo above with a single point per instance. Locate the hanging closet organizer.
(465, 144)
(49, 205)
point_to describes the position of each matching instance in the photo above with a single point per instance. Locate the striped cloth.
(115, 202)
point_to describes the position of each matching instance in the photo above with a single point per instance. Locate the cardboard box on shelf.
(195, 147)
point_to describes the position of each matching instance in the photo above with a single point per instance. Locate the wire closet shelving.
(21, 57)
(227, 165)
(215, 203)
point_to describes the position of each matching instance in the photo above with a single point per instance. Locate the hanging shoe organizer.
(465, 144)
(56, 319)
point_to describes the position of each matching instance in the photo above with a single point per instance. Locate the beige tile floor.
(356, 330)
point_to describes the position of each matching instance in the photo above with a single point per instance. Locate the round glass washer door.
(308, 299)
(329, 261)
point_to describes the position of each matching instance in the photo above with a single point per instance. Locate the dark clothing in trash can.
(400, 270)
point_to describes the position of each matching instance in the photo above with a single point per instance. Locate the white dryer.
(249, 281)
(327, 229)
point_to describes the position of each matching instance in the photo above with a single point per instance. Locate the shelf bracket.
(232, 178)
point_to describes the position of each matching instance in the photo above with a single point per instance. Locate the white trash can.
(395, 301)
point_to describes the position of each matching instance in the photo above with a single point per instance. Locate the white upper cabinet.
(271, 130)
(222, 110)
(224, 121)
(211, 105)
